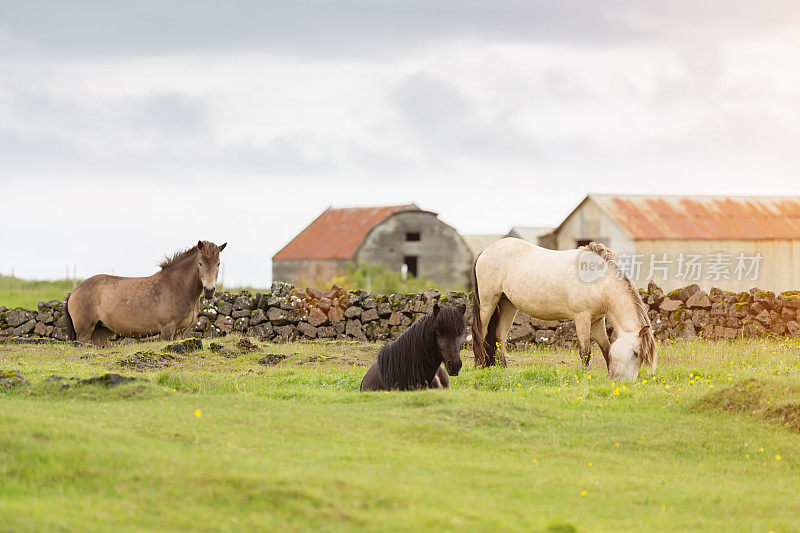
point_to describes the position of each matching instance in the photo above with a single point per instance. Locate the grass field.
(15, 292)
(228, 444)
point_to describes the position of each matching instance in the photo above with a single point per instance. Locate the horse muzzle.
(208, 293)
(453, 367)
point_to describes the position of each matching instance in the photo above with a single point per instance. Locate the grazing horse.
(166, 302)
(414, 360)
(585, 285)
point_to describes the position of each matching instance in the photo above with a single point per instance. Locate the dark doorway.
(412, 236)
(411, 263)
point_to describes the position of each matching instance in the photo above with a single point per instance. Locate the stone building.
(402, 237)
(731, 242)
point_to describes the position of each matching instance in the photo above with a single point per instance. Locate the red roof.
(704, 217)
(337, 233)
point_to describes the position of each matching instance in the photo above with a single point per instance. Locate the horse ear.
(199, 245)
(222, 246)
(643, 331)
(435, 309)
(462, 308)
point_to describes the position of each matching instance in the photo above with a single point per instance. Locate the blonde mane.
(648, 344)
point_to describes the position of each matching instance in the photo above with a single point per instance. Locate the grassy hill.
(228, 443)
(15, 292)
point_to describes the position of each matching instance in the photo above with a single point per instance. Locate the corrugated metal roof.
(704, 217)
(478, 241)
(529, 233)
(337, 233)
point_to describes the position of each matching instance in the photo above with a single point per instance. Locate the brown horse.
(166, 302)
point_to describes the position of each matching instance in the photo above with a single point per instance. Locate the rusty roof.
(337, 232)
(704, 217)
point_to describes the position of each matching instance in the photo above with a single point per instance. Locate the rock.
(280, 317)
(12, 378)
(242, 313)
(45, 318)
(353, 312)
(314, 293)
(243, 303)
(224, 323)
(326, 332)
(544, 336)
(272, 359)
(307, 329)
(262, 332)
(521, 333)
(335, 315)
(698, 299)
(793, 328)
(324, 304)
(109, 380)
(566, 331)
(246, 345)
(684, 293)
(544, 324)
(25, 328)
(369, 315)
(240, 324)
(17, 317)
(208, 312)
(369, 303)
(147, 360)
(686, 331)
(42, 329)
(317, 317)
(668, 305)
(257, 317)
(186, 346)
(399, 319)
(215, 347)
(384, 310)
(353, 329)
(201, 323)
(285, 333)
(225, 308)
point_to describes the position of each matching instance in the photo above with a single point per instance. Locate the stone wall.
(285, 314)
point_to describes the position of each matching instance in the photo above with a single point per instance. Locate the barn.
(392, 236)
(731, 242)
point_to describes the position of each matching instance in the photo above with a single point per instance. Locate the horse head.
(448, 324)
(208, 265)
(629, 351)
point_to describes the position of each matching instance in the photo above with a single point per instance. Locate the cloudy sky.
(130, 129)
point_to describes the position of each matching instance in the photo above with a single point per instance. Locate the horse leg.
(601, 336)
(101, 334)
(441, 380)
(507, 313)
(488, 310)
(583, 326)
(84, 330)
(168, 332)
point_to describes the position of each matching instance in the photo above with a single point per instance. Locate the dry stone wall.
(284, 314)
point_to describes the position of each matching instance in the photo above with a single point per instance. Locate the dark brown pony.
(166, 302)
(414, 360)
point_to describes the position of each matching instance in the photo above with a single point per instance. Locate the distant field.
(15, 292)
(218, 443)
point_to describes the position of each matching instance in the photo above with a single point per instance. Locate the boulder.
(184, 347)
(257, 317)
(317, 317)
(335, 315)
(369, 315)
(307, 329)
(668, 305)
(698, 299)
(17, 317)
(280, 317)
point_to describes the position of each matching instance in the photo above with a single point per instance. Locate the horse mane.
(403, 363)
(177, 257)
(648, 343)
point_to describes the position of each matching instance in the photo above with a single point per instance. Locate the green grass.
(15, 292)
(296, 447)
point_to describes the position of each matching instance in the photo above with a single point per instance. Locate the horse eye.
(217, 264)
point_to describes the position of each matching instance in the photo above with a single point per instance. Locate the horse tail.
(71, 334)
(482, 347)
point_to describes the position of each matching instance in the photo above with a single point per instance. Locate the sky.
(131, 129)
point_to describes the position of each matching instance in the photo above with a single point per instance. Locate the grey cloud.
(362, 27)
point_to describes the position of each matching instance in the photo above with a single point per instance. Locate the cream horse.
(585, 285)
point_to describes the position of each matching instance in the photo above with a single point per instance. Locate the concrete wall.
(589, 222)
(306, 271)
(444, 257)
(779, 269)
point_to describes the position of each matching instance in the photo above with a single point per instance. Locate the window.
(411, 263)
(412, 236)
